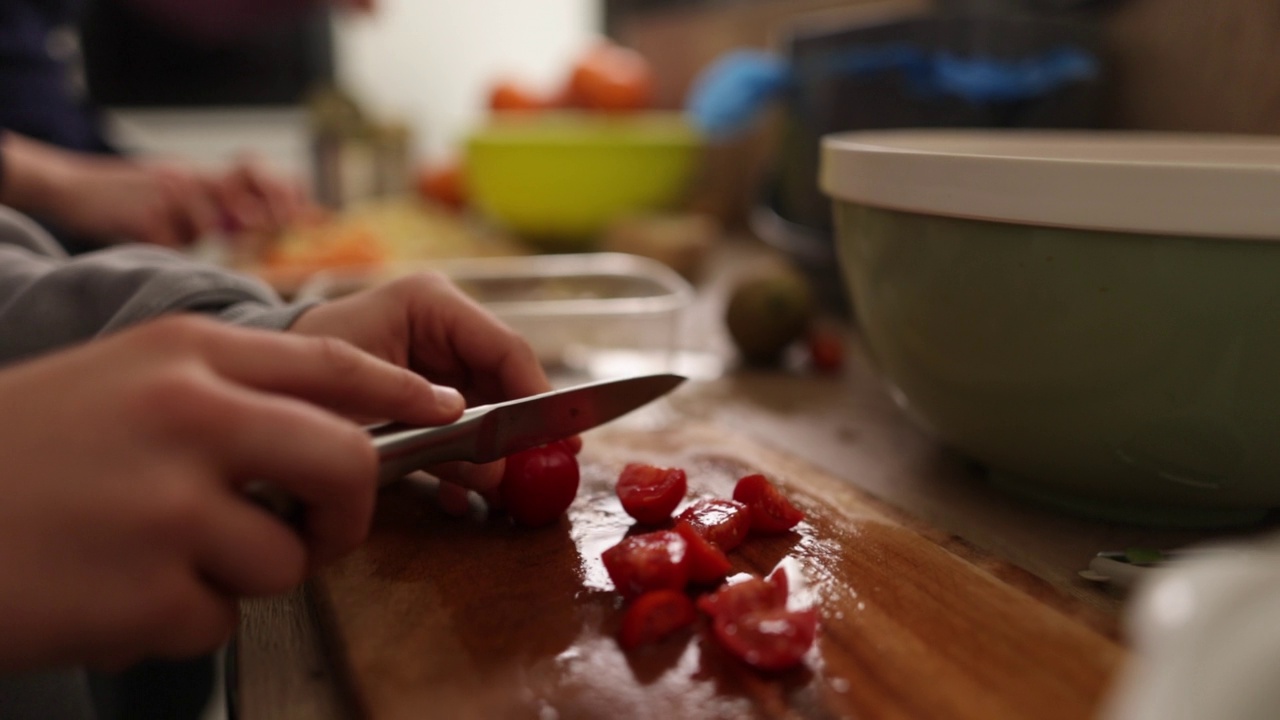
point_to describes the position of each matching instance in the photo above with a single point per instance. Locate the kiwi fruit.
(768, 311)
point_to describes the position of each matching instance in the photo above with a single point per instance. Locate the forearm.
(35, 174)
(48, 301)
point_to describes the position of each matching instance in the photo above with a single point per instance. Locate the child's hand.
(124, 528)
(425, 323)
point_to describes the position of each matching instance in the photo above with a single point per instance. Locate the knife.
(490, 432)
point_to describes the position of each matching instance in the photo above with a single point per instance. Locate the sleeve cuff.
(263, 316)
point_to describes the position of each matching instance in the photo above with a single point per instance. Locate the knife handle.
(401, 450)
(405, 448)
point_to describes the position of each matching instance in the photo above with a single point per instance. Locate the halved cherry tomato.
(747, 596)
(511, 96)
(770, 511)
(644, 563)
(707, 564)
(612, 78)
(774, 639)
(539, 484)
(654, 616)
(723, 522)
(649, 493)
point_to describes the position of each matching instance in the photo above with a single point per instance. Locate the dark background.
(130, 62)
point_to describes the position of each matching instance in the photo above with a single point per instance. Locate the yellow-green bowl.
(559, 178)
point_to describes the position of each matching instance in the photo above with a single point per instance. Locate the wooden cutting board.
(469, 618)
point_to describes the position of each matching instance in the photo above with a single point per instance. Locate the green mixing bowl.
(559, 178)
(1093, 316)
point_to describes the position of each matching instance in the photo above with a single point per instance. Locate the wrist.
(37, 176)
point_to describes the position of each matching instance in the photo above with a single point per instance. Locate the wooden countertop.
(846, 426)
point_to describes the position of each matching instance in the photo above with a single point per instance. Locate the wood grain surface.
(473, 618)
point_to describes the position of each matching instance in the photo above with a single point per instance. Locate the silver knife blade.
(489, 432)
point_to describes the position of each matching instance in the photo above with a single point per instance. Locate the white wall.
(428, 62)
(431, 61)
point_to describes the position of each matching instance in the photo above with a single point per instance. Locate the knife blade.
(489, 432)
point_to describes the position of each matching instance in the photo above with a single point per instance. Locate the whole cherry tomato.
(826, 350)
(649, 493)
(612, 78)
(770, 511)
(644, 563)
(511, 96)
(747, 596)
(724, 522)
(444, 184)
(539, 484)
(654, 616)
(771, 640)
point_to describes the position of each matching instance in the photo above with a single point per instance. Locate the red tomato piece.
(445, 184)
(613, 78)
(748, 596)
(723, 522)
(649, 493)
(770, 511)
(644, 563)
(511, 96)
(539, 484)
(771, 640)
(826, 350)
(707, 564)
(654, 616)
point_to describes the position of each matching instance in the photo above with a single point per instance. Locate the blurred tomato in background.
(444, 183)
(511, 96)
(612, 78)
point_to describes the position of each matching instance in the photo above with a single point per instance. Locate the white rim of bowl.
(1182, 184)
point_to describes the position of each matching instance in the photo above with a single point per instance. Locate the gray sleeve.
(48, 300)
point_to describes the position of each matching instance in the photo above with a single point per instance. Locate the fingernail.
(448, 399)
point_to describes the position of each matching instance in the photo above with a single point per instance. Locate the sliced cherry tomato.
(724, 522)
(511, 96)
(649, 493)
(772, 640)
(747, 596)
(770, 511)
(644, 563)
(539, 484)
(654, 616)
(707, 564)
(612, 78)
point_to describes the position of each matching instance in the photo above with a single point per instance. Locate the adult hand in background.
(113, 199)
(124, 526)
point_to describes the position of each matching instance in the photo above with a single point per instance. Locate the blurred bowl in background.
(1093, 316)
(558, 179)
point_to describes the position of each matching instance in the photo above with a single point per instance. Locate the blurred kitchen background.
(427, 64)
(418, 124)
(1176, 64)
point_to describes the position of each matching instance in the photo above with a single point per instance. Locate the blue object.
(731, 93)
(734, 90)
(989, 80)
